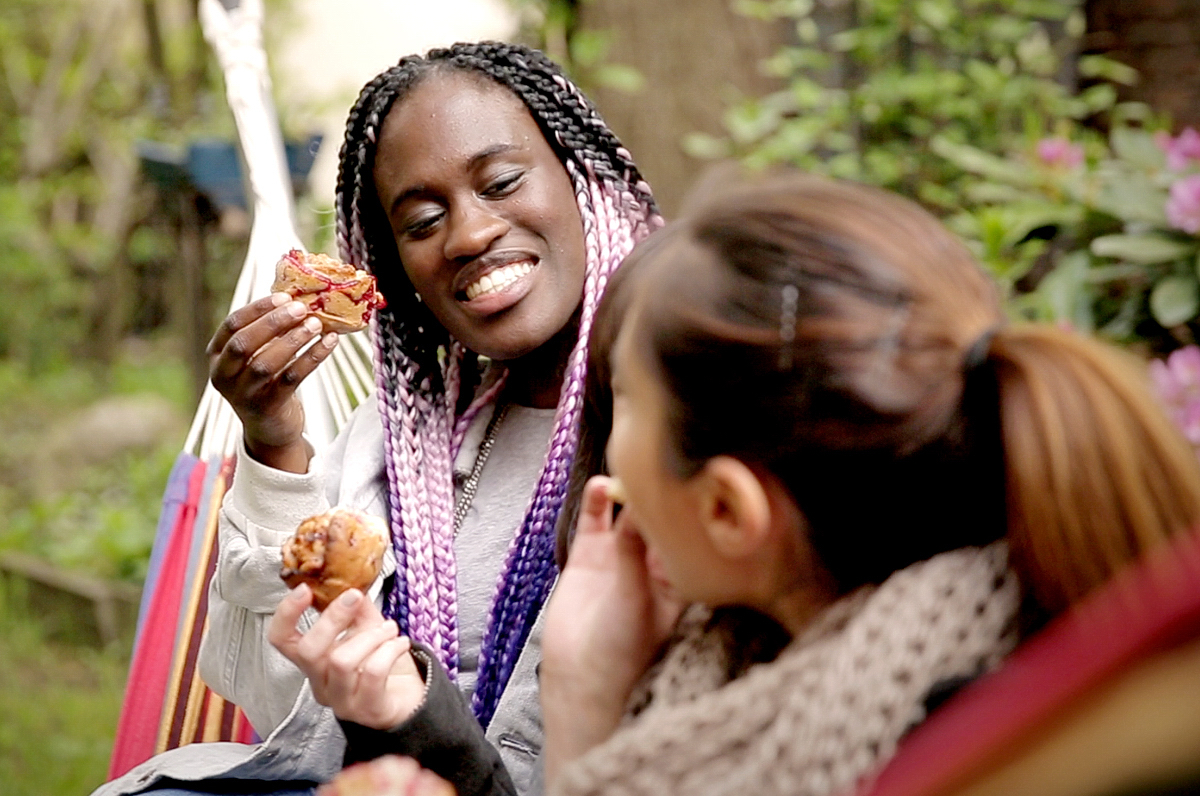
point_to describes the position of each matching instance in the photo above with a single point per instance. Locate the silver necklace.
(471, 485)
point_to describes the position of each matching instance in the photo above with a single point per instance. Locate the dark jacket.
(442, 735)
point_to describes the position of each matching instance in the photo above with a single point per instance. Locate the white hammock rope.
(344, 380)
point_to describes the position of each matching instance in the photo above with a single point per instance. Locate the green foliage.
(553, 27)
(98, 518)
(872, 84)
(58, 743)
(81, 82)
(104, 526)
(1085, 239)
(971, 108)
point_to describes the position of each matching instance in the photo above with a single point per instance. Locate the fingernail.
(300, 591)
(279, 299)
(297, 309)
(350, 598)
(312, 324)
(329, 340)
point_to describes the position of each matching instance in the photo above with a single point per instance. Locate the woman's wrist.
(578, 713)
(291, 458)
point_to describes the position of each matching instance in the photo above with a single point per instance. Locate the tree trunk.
(1161, 40)
(696, 56)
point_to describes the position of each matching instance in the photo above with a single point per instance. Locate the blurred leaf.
(1067, 294)
(982, 163)
(1175, 300)
(1136, 147)
(1129, 195)
(706, 147)
(620, 77)
(1105, 68)
(1143, 249)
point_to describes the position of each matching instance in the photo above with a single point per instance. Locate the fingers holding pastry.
(255, 353)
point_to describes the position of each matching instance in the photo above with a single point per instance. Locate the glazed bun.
(342, 296)
(389, 775)
(335, 551)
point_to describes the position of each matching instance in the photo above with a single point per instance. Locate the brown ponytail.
(842, 338)
(1096, 472)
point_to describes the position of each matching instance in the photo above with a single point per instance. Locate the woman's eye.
(503, 185)
(422, 226)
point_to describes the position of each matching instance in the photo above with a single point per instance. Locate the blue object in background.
(213, 167)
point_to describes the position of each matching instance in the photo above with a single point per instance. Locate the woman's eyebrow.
(490, 152)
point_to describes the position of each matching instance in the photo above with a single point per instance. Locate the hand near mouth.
(605, 623)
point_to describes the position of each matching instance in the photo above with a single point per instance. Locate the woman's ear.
(735, 509)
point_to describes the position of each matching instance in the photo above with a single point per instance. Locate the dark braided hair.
(418, 391)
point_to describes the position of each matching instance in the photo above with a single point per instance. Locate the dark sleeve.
(443, 736)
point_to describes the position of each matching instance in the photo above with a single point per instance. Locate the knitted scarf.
(828, 710)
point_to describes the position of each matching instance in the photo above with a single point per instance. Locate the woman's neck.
(796, 608)
(536, 379)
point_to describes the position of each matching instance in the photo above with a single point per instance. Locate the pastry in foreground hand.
(335, 551)
(389, 775)
(342, 296)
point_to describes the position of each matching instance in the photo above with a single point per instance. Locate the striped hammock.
(166, 705)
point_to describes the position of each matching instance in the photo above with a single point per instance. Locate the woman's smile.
(497, 281)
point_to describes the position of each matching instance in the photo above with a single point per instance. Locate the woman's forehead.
(452, 119)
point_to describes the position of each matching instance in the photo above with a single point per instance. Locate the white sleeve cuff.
(274, 502)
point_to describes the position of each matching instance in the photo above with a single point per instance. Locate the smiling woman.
(485, 219)
(490, 201)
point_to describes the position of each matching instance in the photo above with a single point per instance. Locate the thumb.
(282, 631)
(595, 510)
(630, 545)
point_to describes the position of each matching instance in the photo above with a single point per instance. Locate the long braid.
(418, 392)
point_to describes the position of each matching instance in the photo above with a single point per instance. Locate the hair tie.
(787, 325)
(977, 354)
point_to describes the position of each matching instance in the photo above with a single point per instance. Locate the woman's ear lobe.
(735, 509)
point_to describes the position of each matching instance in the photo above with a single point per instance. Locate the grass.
(60, 694)
(60, 702)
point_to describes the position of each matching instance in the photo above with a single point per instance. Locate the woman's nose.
(473, 229)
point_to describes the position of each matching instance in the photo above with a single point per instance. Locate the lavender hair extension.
(419, 368)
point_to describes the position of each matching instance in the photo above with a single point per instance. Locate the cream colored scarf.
(828, 710)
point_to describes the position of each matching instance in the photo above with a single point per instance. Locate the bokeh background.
(1055, 136)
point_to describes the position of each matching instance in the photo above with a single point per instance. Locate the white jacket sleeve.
(259, 513)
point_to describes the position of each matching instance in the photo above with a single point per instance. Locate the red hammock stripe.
(146, 687)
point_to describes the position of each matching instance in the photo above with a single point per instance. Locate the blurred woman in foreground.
(862, 481)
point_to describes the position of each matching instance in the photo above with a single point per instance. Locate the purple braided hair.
(420, 370)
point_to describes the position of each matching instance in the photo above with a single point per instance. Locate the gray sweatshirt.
(260, 512)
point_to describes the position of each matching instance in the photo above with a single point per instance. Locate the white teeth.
(498, 279)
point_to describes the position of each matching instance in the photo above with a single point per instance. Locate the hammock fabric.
(166, 704)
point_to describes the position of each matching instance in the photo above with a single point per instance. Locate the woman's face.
(483, 214)
(662, 505)
(767, 564)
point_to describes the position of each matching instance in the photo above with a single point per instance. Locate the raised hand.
(605, 623)
(253, 362)
(356, 661)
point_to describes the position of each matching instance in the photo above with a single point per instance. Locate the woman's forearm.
(576, 719)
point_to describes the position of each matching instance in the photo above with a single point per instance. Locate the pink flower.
(1183, 206)
(1177, 382)
(1179, 151)
(1060, 152)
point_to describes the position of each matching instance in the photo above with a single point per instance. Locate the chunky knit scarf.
(828, 710)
